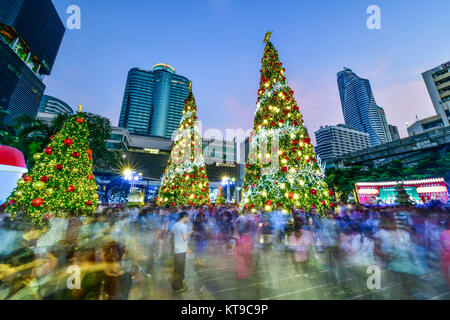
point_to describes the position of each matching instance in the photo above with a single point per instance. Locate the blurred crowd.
(118, 253)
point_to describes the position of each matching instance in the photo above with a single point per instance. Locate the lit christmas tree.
(282, 171)
(61, 182)
(185, 181)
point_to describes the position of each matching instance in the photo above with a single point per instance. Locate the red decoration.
(44, 178)
(89, 151)
(70, 189)
(268, 202)
(91, 176)
(37, 202)
(331, 192)
(48, 150)
(27, 178)
(313, 192)
(295, 142)
(284, 169)
(68, 142)
(79, 120)
(59, 167)
(89, 203)
(323, 203)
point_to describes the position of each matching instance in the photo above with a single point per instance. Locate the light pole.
(132, 176)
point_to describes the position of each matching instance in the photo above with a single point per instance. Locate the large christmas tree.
(282, 170)
(185, 181)
(61, 182)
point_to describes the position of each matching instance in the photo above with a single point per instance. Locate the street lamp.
(131, 175)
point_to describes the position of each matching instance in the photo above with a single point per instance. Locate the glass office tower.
(153, 101)
(359, 107)
(30, 36)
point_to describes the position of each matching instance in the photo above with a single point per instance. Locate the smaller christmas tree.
(220, 199)
(402, 196)
(185, 181)
(61, 182)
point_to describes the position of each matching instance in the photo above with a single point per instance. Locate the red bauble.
(291, 195)
(295, 123)
(295, 142)
(331, 192)
(59, 167)
(323, 202)
(313, 192)
(12, 201)
(70, 189)
(331, 205)
(68, 142)
(75, 154)
(284, 169)
(268, 202)
(37, 202)
(252, 205)
(279, 204)
(91, 176)
(52, 136)
(44, 178)
(79, 120)
(293, 149)
(246, 206)
(27, 178)
(48, 150)
(89, 203)
(174, 204)
(90, 157)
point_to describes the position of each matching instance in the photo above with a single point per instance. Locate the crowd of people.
(119, 252)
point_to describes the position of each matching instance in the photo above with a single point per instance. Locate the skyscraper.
(54, 105)
(30, 36)
(437, 81)
(334, 141)
(153, 101)
(359, 107)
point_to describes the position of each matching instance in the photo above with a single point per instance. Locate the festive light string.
(296, 177)
(184, 181)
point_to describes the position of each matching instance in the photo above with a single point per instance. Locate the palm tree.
(28, 134)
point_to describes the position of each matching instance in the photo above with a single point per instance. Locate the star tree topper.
(267, 37)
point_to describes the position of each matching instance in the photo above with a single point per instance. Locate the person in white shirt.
(180, 238)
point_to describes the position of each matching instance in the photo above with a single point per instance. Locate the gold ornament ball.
(75, 170)
(20, 182)
(37, 156)
(41, 164)
(96, 196)
(50, 190)
(38, 185)
(18, 193)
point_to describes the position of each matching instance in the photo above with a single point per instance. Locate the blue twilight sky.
(218, 45)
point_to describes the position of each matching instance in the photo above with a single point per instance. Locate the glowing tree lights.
(185, 181)
(61, 182)
(282, 171)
